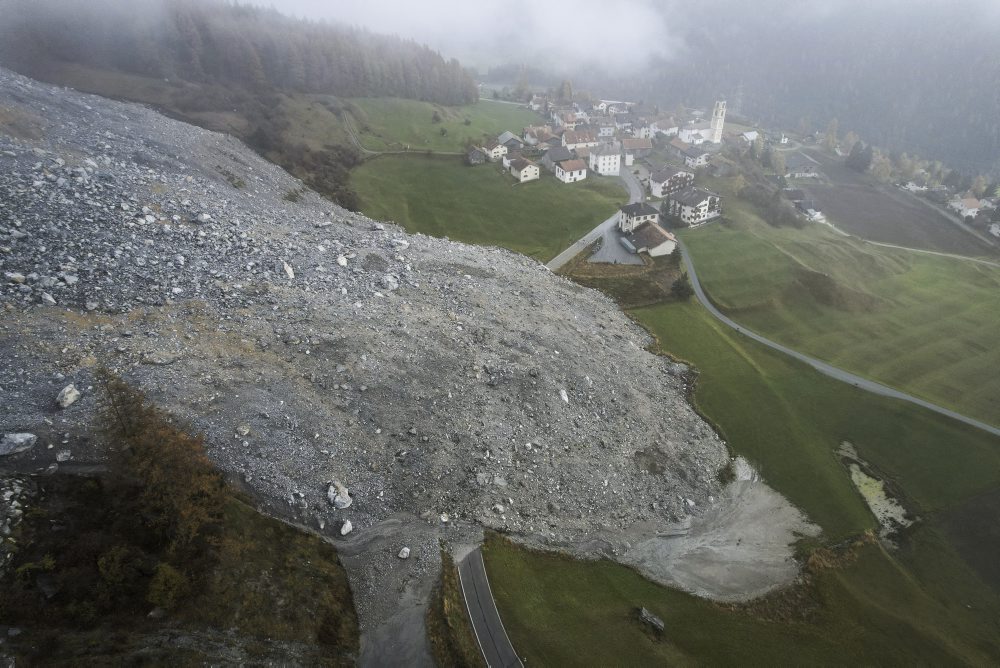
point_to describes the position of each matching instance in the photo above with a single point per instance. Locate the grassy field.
(440, 196)
(874, 608)
(391, 124)
(925, 324)
(798, 417)
(858, 204)
(869, 611)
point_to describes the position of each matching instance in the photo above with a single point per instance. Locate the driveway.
(635, 194)
(612, 251)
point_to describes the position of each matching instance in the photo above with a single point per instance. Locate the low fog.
(622, 36)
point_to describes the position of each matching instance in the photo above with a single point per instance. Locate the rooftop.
(639, 209)
(692, 196)
(649, 235)
(573, 165)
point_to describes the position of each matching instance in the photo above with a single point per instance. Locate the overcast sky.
(618, 34)
(484, 33)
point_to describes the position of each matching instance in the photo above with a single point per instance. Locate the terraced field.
(926, 324)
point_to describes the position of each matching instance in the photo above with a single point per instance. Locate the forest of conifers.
(213, 41)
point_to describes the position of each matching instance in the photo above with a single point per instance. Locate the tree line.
(215, 41)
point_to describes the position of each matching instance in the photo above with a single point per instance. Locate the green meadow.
(442, 197)
(922, 323)
(394, 124)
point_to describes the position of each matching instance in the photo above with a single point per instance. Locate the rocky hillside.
(387, 390)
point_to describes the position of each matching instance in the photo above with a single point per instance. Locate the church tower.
(718, 120)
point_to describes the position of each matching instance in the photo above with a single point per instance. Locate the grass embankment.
(925, 324)
(878, 608)
(444, 198)
(865, 611)
(631, 286)
(449, 630)
(393, 124)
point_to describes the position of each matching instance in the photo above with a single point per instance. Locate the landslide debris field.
(340, 370)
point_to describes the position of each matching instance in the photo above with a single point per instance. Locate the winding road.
(483, 613)
(823, 367)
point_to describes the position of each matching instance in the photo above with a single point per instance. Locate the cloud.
(611, 35)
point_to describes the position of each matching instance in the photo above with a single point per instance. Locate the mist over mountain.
(918, 77)
(227, 43)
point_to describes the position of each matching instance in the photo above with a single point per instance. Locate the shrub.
(180, 490)
(168, 587)
(681, 289)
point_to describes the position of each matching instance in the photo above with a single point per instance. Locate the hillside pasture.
(442, 197)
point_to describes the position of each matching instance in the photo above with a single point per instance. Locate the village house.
(606, 159)
(632, 216)
(695, 135)
(565, 119)
(494, 150)
(650, 238)
(573, 139)
(693, 206)
(552, 141)
(636, 148)
(605, 128)
(524, 170)
(678, 147)
(669, 180)
(994, 229)
(569, 171)
(809, 209)
(917, 184)
(510, 157)
(666, 126)
(797, 166)
(476, 156)
(534, 135)
(695, 158)
(624, 122)
(511, 141)
(965, 206)
(643, 129)
(555, 155)
(750, 136)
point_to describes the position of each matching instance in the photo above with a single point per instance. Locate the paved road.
(823, 367)
(635, 194)
(483, 613)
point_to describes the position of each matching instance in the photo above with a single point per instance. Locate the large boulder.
(14, 443)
